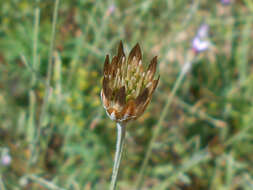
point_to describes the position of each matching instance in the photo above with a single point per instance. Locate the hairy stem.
(121, 132)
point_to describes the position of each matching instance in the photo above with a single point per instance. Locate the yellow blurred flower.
(82, 72)
(94, 74)
(69, 100)
(68, 119)
(96, 102)
(79, 106)
(83, 85)
(96, 89)
(80, 123)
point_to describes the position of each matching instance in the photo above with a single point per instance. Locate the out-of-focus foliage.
(206, 141)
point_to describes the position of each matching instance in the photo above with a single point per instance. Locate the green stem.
(158, 127)
(35, 43)
(121, 133)
(45, 183)
(50, 65)
(31, 132)
(49, 73)
(2, 187)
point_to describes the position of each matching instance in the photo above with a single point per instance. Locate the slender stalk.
(35, 43)
(45, 183)
(49, 73)
(32, 99)
(50, 64)
(121, 133)
(158, 127)
(2, 187)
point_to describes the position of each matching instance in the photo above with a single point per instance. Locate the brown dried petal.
(142, 97)
(114, 66)
(154, 84)
(144, 106)
(135, 52)
(106, 65)
(106, 89)
(152, 67)
(105, 101)
(129, 109)
(121, 96)
(120, 51)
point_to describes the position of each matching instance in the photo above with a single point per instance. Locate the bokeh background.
(206, 141)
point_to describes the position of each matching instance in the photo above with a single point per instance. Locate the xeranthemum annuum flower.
(127, 88)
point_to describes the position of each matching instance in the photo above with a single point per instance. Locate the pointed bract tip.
(155, 59)
(137, 48)
(106, 64)
(136, 51)
(107, 58)
(152, 65)
(120, 50)
(137, 45)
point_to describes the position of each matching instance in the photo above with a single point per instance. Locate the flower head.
(200, 42)
(127, 88)
(200, 45)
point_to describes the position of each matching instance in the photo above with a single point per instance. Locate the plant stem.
(159, 124)
(121, 133)
(31, 132)
(2, 187)
(50, 64)
(35, 43)
(47, 184)
(48, 79)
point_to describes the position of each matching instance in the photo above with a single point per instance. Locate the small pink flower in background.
(200, 42)
(111, 9)
(6, 159)
(203, 31)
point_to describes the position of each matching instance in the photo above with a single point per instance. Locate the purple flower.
(199, 45)
(225, 2)
(200, 42)
(6, 159)
(203, 31)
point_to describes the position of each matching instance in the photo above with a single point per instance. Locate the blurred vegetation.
(207, 138)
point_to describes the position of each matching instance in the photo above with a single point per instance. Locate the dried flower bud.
(127, 88)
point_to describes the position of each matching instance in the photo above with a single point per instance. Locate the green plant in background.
(204, 140)
(127, 91)
(197, 47)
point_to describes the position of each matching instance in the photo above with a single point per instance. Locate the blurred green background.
(206, 141)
